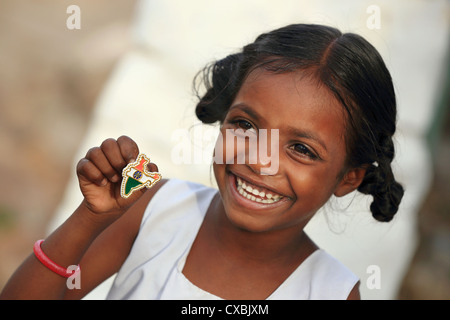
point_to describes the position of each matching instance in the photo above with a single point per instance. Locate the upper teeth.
(252, 193)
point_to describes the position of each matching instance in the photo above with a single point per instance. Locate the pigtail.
(219, 80)
(379, 182)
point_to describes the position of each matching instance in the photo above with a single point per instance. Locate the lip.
(244, 202)
(259, 184)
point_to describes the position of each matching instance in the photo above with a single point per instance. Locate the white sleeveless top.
(153, 269)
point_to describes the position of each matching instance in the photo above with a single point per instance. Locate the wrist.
(68, 243)
(91, 220)
(95, 217)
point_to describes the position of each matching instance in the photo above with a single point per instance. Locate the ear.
(350, 181)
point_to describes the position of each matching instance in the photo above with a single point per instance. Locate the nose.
(262, 154)
(257, 149)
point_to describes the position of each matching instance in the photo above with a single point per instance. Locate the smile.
(256, 193)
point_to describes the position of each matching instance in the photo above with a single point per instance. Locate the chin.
(244, 212)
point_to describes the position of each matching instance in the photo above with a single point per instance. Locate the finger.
(87, 170)
(111, 150)
(98, 158)
(151, 167)
(128, 148)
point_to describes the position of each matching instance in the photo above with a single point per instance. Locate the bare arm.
(354, 294)
(98, 235)
(65, 246)
(109, 250)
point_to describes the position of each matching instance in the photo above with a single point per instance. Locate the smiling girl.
(330, 100)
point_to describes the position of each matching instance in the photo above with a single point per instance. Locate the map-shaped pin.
(135, 176)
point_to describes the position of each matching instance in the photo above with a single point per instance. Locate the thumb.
(151, 167)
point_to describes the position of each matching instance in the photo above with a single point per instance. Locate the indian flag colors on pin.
(135, 176)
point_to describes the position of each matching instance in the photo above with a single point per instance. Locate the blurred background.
(65, 90)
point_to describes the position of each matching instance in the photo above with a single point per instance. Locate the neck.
(274, 246)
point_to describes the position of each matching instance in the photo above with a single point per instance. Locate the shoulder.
(176, 193)
(177, 188)
(354, 294)
(331, 279)
(168, 226)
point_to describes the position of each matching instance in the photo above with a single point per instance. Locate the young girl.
(329, 98)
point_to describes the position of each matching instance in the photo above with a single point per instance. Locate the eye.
(244, 124)
(304, 151)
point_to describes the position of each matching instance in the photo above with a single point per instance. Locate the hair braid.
(379, 182)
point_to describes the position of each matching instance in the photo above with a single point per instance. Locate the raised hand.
(100, 175)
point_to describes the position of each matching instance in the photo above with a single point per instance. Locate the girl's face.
(310, 146)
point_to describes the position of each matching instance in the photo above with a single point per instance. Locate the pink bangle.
(63, 272)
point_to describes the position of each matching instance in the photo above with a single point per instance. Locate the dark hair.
(347, 65)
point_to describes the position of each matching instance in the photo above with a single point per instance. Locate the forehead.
(294, 99)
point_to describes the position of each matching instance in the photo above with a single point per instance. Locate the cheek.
(220, 159)
(232, 148)
(313, 186)
(221, 156)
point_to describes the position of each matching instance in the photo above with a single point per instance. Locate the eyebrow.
(307, 135)
(292, 131)
(248, 110)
